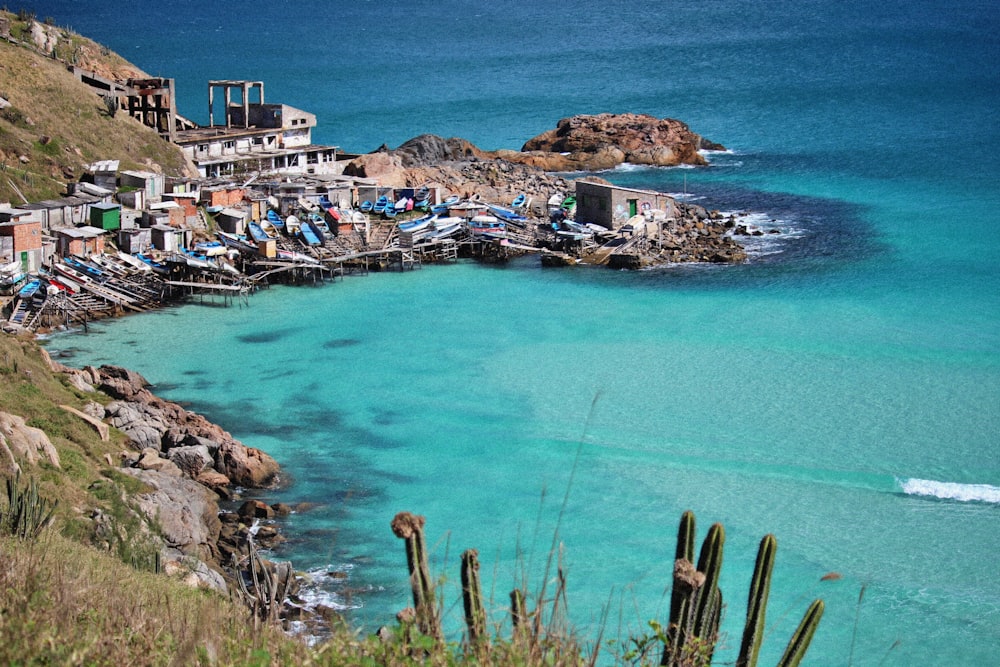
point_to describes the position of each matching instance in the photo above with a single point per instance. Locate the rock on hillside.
(606, 140)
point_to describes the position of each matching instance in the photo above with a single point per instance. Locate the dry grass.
(60, 125)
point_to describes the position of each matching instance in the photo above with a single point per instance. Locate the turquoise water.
(841, 390)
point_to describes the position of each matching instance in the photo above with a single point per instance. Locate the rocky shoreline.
(190, 468)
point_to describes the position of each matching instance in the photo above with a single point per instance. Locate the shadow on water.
(270, 336)
(338, 343)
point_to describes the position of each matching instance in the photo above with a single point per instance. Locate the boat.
(320, 224)
(380, 204)
(237, 242)
(443, 207)
(257, 233)
(445, 228)
(421, 200)
(506, 214)
(268, 229)
(29, 289)
(126, 258)
(487, 226)
(290, 256)
(389, 211)
(404, 204)
(413, 226)
(366, 206)
(64, 285)
(211, 248)
(292, 225)
(308, 205)
(275, 219)
(156, 266)
(308, 233)
(519, 201)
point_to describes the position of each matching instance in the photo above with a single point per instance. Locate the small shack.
(148, 182)
(612, 206)
(231, 221)
(134, 240)
(106, 216)
(80, 241)
(104, 173)
(167, 238)
(21, 242)
(175, 214)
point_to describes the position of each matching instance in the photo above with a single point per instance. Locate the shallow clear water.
(841, 390)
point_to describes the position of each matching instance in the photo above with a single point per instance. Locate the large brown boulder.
(384, 166)
(246, 466)
(606, 140)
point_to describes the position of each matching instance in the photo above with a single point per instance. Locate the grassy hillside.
(84, 593)
(55, 125)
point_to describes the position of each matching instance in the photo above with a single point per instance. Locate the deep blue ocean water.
(841, 390)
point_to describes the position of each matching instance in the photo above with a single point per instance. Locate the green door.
(633, 207)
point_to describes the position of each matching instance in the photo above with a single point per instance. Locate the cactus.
(696, 601)
(27, 513)
(475, 615)
(410, 528)
(760, 587)
(799, 642)
(696, 604)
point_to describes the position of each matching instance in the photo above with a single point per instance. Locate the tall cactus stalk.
(799, 642)
(760, 587)
(475, 614)
(696, 601)
(696, 604)
(410, 528)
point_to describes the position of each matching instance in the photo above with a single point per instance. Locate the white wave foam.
(951, 490)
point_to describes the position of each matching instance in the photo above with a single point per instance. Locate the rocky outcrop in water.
(592, 143)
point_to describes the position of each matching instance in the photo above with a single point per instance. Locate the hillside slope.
(55, 125)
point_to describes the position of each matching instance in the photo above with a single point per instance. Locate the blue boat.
(257, 232)
(84, 267)
(29, 289)
(156, 266)
(442, 208)
(381, 204)
(389, 211)
(506, 214)
(320, 228)
(275, 219)
(519, 201)
(366, 206)
(308, 234)
(417, 224)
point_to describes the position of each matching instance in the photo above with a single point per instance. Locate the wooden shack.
(134, 240)
(167, 238)
(106, 216)
(231, 221)
(148, 182)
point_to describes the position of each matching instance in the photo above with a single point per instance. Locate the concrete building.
(611, 206)
(255, 136)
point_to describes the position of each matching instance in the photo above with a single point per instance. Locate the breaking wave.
(983, 493)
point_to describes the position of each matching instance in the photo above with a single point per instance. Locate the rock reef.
(604, 141)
